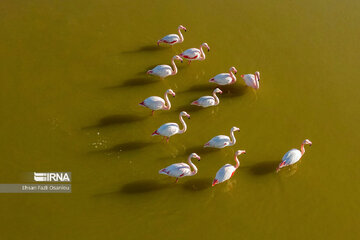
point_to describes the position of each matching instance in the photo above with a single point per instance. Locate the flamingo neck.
(237, 162)
(202, 53)
(181, 36)
(167, 101)
(193, 166)
(233, 139)
(302, 149)
(174, 67)
(184, 125)
(217, 101)
(232, 75)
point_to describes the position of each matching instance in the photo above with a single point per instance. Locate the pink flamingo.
(293, 156)
(222, 141)
(169, 129)
(180, 170)
(225, 78)
(252, 80)
(207, 101)
(157, 103)
(172, 39)
(228, 170)
(165, 70)
(192, 54)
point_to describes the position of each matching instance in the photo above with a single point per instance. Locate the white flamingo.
(228, 170)
(169, 129)
(165, 70)
(293, 156)
(252, 80)
(192, 54)
(207, 101)
(222, 141)
(180, 170)
(225, 78)
(172, 39)
(157, 103)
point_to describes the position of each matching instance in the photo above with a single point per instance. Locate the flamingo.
(222, 141)
(165, 70)
(293, 156)
(228, 170)
(157, 103)
(225, 78)
(169, 129)
(252, 80)
(180, 170)
(172, 39)
(192, 54)
(207, 101)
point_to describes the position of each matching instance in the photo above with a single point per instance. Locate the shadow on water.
(199, 184)
(234, 90)
(147, 48)
(125, 147)
(116, 119)
(201, 88)
(264, 168)
(200, 150)
(133, 82)
(189, 108)
(143, 186)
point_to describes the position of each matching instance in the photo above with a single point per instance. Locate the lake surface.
(73, 73)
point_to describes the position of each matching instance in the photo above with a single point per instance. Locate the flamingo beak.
(208, 49)
(185, 29)
(188, 117)
(220, 92)
(198, 158)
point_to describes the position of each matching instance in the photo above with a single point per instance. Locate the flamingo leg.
(167, 139)
(152, 113)
(189, 62)
(177, 179)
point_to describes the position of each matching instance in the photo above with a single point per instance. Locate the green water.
(72, 75)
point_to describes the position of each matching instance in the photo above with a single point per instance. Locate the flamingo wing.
(168, 129)
(177, 170)
(219, 141)
(192, 53)
(154, 102)
(206, 101)
(223, 79)
(171, 38)
(224, 173)
(291, 157)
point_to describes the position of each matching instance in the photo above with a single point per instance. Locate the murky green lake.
(73, 73)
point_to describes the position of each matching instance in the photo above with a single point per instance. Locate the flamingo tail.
(215, 182)
(142, 104)
(207, 145)
(212, 80)
(155, 133)
(195, 103)
(149, 72)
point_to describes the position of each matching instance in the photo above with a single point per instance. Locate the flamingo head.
(233, 129)
(182, 27)
(206, 45)
(170, 91)
(177, 57)
(239, 152)
(217, 90)
(183, 113)
(233, 69)
(307, 141)
(194, 155)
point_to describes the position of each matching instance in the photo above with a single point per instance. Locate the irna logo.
(52, 177)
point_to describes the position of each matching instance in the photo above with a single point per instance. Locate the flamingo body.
(225, 78)
(219, 141)
(154, 103)
(192, 54)
(172, 39)
(157, 103)
(169, 129)
(161, 70)
(208, 101)
(164, 71)
(228, 170)
(222, 141)
(252, 80)
(180, 170)
(224, 173)
(294, 155)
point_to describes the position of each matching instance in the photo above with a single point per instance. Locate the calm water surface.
(73, 73)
